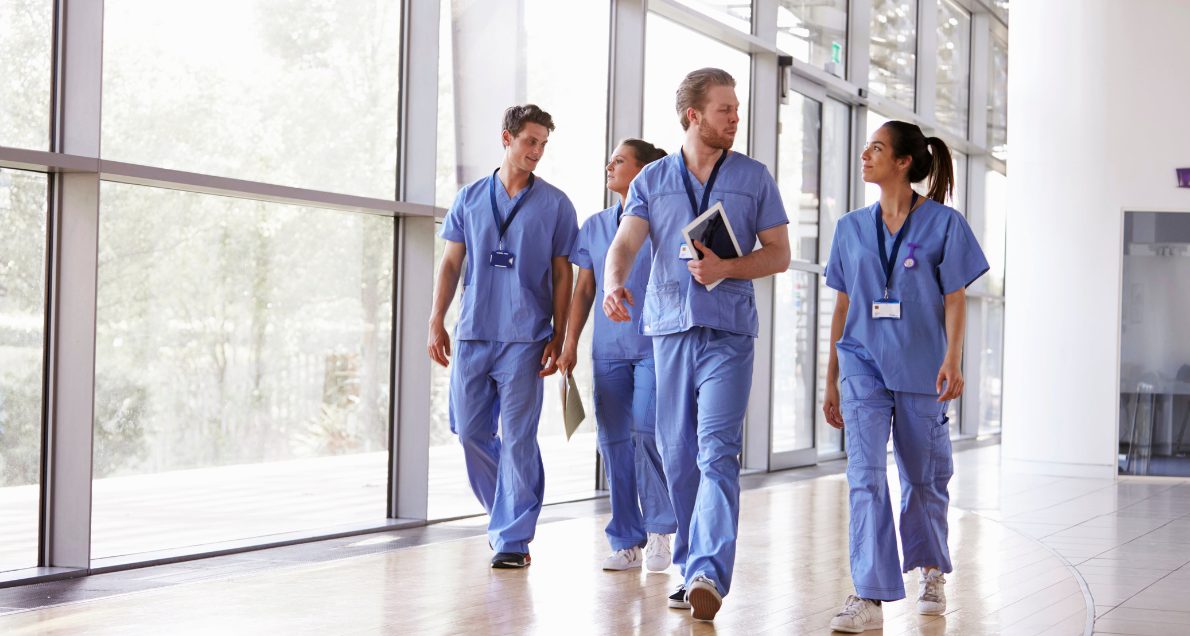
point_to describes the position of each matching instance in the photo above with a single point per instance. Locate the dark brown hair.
(929, 157)
(692, 92)
(515, 118)
(645, 152)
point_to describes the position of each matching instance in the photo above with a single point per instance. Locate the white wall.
(1098, 107)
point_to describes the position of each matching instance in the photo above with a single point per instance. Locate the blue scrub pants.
(625, 410)
(704, 377)
(921, 443)
(495, 404)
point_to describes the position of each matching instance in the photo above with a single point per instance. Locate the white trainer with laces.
(858, 615)
(931, 597)
(624, 559)
(704, 598)
(658, 555)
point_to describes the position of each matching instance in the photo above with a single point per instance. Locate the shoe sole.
(510, 566)
(658, 569)
(681, 605)
(938, 612)
(627, 567)
(704, 604)
(856, 630)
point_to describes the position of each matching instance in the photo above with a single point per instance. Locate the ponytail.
(929, 158)
(941, 170)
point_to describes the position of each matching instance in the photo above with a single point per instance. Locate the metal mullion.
(71, 280)
(926, 76)
(626, 74)
(859, 43)
(710, 27)
(413, 263)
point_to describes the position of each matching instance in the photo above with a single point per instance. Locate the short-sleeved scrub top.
(513, 304)
(675, 302)
(613, 340)
(905, 352)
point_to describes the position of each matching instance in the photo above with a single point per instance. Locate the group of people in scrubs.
(677, 327)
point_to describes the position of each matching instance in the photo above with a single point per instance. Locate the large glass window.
(793, 301)
(954, 51)
(735, 13)
(988, 347)
(242, 369)
(489, 59)
(815, 32)
(25, 48)
(22, 320)
(995, 226)
(998, 99)
(893, 55)
(664, 71)
(264, 90)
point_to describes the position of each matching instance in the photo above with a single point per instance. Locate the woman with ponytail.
(901, 268)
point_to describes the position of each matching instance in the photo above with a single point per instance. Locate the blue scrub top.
(515, 304)
(675, 302)
(908, 352)
(613, 340)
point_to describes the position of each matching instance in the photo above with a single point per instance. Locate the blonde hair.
(692, 92)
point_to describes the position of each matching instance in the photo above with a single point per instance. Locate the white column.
(1097, 124)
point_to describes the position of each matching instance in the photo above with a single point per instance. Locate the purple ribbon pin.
(910, 261)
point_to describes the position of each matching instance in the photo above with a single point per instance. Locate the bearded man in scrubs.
(515, 232)
(703, 341)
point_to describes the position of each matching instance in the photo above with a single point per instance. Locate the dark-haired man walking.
(515, 230)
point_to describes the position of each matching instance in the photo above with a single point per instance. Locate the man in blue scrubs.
(703, 340)
(625, 384)
(515, 231)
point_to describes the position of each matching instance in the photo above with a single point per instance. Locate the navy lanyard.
(503, 225)
(706, 194)
(885, 261)
(619, 213)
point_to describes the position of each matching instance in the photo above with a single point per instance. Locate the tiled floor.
(1013, 540)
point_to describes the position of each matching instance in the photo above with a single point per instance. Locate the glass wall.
(664, 71)
(476, 83)
(22, 327)
(998, 99)
(210, 87)
(734, 13)
(25, 53)
(954, 66)
(242, 369)
(893, 63)
(837, 164)
(814, 32)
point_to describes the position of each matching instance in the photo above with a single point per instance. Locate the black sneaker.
(678, 599)
(510, 560)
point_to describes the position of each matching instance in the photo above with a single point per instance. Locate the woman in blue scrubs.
(901, 267)
(625, 383)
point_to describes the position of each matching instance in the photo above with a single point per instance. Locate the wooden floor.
(791, 576)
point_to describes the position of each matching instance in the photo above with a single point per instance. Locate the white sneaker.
(858, 615)
(704, 598)
(623, 559)
(658, 555)
(931, 597)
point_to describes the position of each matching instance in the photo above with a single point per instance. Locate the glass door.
(795, 292)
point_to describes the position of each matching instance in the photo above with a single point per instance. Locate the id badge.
(886, 309)
(684, 252)
(502, 259)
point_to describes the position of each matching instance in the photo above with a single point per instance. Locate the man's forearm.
(563, 279)
(444, 291)
(765, 261)
(619, 264)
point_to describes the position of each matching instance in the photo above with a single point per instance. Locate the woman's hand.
(567, 360)
(830, 406)
(950, 375)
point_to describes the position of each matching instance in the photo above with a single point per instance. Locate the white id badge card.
(886, 309)
(684, 252)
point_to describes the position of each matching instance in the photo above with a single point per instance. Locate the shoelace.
(931, 582)
(853, 606)
(656, 546)
(626, 553)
